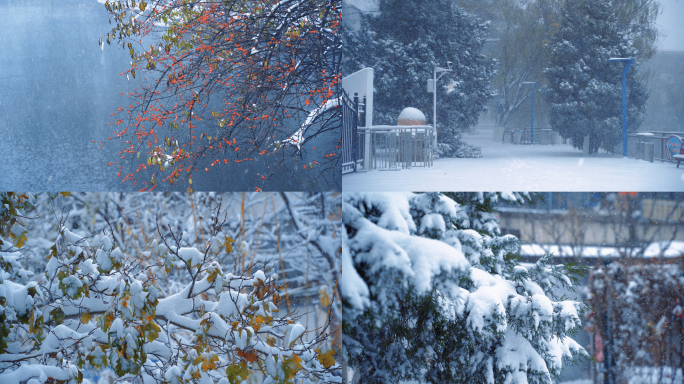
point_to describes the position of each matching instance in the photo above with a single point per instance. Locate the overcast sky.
(671, 22)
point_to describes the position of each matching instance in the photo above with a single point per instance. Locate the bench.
(678, 157)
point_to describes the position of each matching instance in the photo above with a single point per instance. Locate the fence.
(637, 321)
(351, 152)
(395, 147)
(383, 147)
(636, 141)
(543, 136)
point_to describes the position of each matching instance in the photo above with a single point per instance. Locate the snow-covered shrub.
(461, 150)
(466, 150)
(432, 292)
(300, 229)
(174, 316)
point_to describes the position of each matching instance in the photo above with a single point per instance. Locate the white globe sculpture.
(411, 116)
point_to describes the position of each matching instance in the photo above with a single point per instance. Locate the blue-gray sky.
(671, 22)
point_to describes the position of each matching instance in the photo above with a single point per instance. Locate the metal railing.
(543, 136)
(397, 147)
(351, 155)
(657, 138)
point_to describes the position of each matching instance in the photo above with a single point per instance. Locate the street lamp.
(628, 61)
(534, 86)
(432, 87)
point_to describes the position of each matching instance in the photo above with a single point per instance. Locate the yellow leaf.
(326, 359)
(209, 363)
(153, 330)
(250, 355)
(31, 317)
(65, 194)
(20, 241)
(291, 366)
(296, 360)
(85, 318)
(229, 244)
(237, 373)
(325, 299)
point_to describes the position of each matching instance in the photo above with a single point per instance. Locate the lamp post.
(628, 61)
(534, 86)
(432, 87)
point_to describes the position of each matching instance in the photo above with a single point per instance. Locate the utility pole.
(534, 86)
(432, 87)
(628, 61)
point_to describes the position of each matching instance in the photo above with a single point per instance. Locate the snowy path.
(512, 167)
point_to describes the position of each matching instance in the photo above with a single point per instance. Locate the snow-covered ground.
(524, 168)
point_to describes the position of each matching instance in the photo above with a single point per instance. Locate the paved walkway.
(511, 167)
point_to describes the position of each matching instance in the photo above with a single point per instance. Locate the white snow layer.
(191, 255)
(412, 114)
(658, 249)
(394, 208)
(297, 138)
(417, 258)
(388, 246)
(524, 168)
(352, 286)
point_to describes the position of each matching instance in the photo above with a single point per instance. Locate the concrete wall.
(351, 16)
(569, 229)
(361, 83)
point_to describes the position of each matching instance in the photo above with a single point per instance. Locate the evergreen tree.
(585, 88)
(432, 292)
(403, 43)
(638, 18)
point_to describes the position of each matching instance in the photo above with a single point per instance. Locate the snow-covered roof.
(531, 210)
(658, 249)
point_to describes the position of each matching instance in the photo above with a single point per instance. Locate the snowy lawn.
(525, 168)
